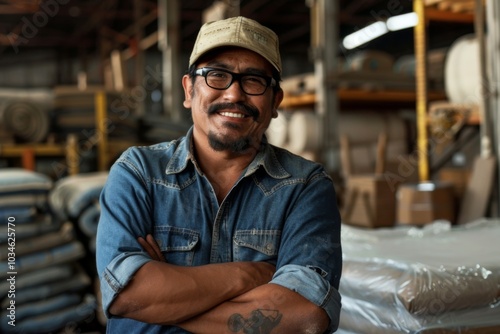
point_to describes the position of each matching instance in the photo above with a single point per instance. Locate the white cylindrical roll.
(277, 132)
(355, 126)
(305, 132)
(462, 71)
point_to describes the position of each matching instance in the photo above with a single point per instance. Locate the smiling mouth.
(232, 114)
(234, 110)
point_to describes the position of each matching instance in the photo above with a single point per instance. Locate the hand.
(151, 247)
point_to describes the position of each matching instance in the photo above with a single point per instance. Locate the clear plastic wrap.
(435, 279)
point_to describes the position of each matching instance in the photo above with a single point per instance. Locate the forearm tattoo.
(259, 322)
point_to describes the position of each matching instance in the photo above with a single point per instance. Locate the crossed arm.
(215, 298)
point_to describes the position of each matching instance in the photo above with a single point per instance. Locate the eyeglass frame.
(203, 72)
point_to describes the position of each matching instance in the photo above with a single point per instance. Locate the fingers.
(148, 248)
(151, 247)
(152, 242)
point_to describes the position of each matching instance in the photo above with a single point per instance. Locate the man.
(220, 232)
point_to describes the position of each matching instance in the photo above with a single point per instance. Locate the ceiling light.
(365, 35)
(404, 21)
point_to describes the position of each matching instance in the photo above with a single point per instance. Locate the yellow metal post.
(72, 154)
(101, 120)
(421, 83)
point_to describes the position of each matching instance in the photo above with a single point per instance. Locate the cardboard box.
(370, 201)
(458, 177)
(422, 203)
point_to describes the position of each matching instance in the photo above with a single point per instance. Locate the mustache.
(244, 108)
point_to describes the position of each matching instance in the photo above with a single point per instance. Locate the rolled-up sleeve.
(310, 255)
(310, 285)
(117, 274)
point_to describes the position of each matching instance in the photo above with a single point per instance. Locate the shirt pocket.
(177, 244)
(256, 245)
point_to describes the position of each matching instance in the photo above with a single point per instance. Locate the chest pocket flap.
(256, 245)
(177, 244)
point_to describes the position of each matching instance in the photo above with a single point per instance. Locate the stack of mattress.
(42, 285)
(436, 279)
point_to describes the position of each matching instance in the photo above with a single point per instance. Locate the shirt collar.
(266, 157)
(182, 154)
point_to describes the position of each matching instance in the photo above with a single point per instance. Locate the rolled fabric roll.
(462, 71)
(405, 65)
(89, 219)
(305, 132)
(277, 132)
(27, 122)
(371, 61)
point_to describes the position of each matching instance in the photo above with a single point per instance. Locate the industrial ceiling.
(80, 26)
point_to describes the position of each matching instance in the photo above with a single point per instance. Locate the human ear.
(278, 97)
(188, 91)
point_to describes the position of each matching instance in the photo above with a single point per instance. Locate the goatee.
(239, 145)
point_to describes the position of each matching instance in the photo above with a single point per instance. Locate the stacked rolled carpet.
(76, 198)
(42, 285)
(436, 279)
(26, 113)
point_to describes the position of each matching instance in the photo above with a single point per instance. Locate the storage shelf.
(71, 97)
(359, 95)
(16, 150)
(28, 153)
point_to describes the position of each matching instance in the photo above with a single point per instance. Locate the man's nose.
(235, 92)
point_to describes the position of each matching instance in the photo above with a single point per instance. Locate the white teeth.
(232, 114)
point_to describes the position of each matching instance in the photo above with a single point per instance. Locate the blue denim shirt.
(282, 210)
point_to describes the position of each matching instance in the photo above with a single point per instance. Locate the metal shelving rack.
(28, 153)
(473, 12)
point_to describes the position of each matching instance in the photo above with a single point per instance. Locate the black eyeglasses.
(251, 84)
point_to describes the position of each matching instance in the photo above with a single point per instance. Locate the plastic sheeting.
(435, 279)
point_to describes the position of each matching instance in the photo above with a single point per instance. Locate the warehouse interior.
(404, 120)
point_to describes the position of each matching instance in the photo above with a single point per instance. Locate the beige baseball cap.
(238, 31)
